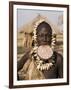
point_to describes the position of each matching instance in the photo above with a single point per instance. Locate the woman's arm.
(60, 66)
(22, 61)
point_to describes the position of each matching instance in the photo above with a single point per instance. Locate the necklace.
(43, 66)
(41, 54)
(40, 59)
(44, 52)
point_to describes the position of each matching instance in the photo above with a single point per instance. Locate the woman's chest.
(51, 73)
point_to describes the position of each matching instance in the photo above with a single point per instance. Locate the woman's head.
(44, 34)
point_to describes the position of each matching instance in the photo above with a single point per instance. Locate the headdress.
(39, 63)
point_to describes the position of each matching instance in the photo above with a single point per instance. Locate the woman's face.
(43, 37)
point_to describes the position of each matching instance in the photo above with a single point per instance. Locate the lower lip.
(43, 42)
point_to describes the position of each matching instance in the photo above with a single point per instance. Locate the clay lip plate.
(44, 52)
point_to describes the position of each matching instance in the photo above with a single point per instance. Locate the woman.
(42, 62)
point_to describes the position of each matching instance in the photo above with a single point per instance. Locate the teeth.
(38, 67)
(50, 64)
(41, 68)
(35, 48)
(41, 62)
(44, 66)
(37, 58)
(52, 47)
(53, 41)
(35, 55)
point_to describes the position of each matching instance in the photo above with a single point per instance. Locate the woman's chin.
(43, 43)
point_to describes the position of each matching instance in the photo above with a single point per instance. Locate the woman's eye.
(40, 35)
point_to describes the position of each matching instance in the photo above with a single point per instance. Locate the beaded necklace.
(40, 63)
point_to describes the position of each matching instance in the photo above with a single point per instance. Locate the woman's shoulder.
(58, 57)
(58, 54)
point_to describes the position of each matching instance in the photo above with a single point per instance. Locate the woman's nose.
(45, 38)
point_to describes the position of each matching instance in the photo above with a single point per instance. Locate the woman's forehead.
(43, 29)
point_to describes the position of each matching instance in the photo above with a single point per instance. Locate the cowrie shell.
(41, 68)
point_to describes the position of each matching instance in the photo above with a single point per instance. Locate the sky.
(24, 16)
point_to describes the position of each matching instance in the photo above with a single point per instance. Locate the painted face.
(43, 37)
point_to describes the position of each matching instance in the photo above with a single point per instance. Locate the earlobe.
(53, 41)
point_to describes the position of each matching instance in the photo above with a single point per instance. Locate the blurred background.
(28, 20)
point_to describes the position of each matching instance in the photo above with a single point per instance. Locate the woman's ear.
(53, 41)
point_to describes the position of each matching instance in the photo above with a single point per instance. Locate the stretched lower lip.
(44, 42)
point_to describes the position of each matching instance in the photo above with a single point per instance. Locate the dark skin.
(44, 38)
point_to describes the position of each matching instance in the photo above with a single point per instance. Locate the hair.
(48, 28)
(44, 25)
